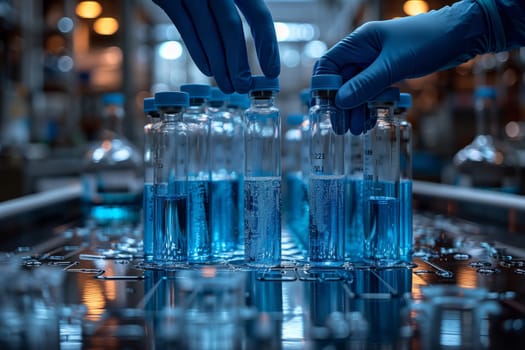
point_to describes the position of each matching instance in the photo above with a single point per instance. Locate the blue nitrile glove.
(381, 53)
(212, 31)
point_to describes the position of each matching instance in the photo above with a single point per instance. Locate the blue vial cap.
(405, 100)
(294, 119)
(197, 90)
(172, 99)
(239, 100)
(326, 82)
(262, 83)
(217, 95)
(113, 98)
(390, 94)
(305, 96)
(485, 91)
(149, 104)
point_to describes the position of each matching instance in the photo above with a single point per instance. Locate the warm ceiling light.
(105, 26)
(88, 9)
(415, 7)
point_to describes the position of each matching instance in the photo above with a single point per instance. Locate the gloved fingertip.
(340, 122)
(243, 83)
(357, 119)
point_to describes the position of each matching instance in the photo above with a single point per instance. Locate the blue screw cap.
(113, 98)
(197, 90)
(294, 119)
(262, 83)
(149, 104)
(485, 91)
(405, 100)
(239, 100)
(326, 82)
(390, 94)
(217, 95)
(172, 99)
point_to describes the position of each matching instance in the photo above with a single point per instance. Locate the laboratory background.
(428, 255)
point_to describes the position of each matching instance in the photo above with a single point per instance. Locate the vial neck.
(197, 105)
(262, 98)
(171, 114)
(324, 98)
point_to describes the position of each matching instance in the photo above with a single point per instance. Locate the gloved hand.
(381, 53)
(212, 31)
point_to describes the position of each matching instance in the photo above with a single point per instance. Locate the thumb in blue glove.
(212, 31)
(381, 53)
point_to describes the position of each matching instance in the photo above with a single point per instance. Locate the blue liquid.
(171, 218)
(148, 207)
(262, 220)
(225, 217)
(199, 230)
(297, 210)
(326, 220)
(354, 229)
(382, 230)
(405, 209)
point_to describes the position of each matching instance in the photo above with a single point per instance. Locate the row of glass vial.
(349, 198)
(213, 177)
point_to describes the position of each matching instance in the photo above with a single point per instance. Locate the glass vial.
(170, 181)
(381, 181)
(487, 162)
(112, 170)
(150, 135)
(198, 124)
(326, 178)
(405, 177)
(262, 169)
(226, 165)
(354, 229)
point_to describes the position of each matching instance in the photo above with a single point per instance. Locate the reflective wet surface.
(78, 286)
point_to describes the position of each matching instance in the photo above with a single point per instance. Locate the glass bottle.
(326, 178)
(262, 170)
(487, 162)
(226, 165)
(381, 181)
(198, 123)
(170, 181)
(405, 177)
(112, 170)
(354, 229)
(237, 103)
(150, 135)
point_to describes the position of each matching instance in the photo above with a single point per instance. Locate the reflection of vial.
(326, 178)
(150, 129)
(198, 124)
(262, 170)
(405, 180)
(170, 185)
(226, 165)
(381, 181)
(354, 235)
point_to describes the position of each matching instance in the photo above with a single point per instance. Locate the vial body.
(405, 182)
(262, 182)
(199, 229)
(354, 228)
(151, 129)
(381, 187)
(226, 165)
(171, 190)
(326, 180)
